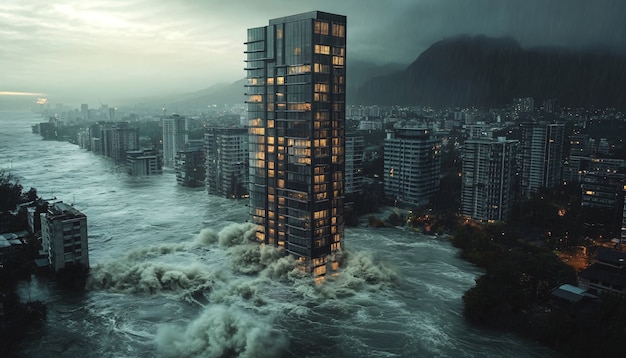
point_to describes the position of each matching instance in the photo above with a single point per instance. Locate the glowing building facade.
(296, 115)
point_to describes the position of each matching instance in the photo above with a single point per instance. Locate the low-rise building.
(144, 162)
(64, 236)
(189, 166)
(607, 274)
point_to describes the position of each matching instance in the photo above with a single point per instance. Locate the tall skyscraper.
(412, 165)
(296, 111)
(541, 156)
(175, 138)
(488, 185)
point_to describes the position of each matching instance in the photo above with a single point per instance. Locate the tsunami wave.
(241, 287)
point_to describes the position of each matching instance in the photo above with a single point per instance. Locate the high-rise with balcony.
(175, 138)
(488, 185)
(296, 115)
(541, 156)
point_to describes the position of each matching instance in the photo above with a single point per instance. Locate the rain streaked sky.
(87, 50)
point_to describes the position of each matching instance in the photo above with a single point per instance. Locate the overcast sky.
(101, 51)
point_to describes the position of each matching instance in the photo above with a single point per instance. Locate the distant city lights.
(10, 93)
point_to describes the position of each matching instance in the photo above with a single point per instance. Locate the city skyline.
(108, 50)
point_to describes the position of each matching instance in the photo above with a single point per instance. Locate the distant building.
(541, 156)
(607, 274)
(226, 161)
(370, 125)
(354, 163)
(175, 138)
(64, 236)
(84, 111)
(603, 190)
(118, 138)
(488, 185)
(12, 248)
(190, 167)
(479, 130)
(551, 105)
(144, 162)
(412, 166)
(524, 104)
(623, 229)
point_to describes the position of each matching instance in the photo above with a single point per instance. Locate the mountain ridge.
(484, 71)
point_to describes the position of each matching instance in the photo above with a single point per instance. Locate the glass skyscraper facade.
(296, 116)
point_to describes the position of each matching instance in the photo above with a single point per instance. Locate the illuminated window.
(256, 98)
(320, 270)
(321, 87)
(319, 68)
(320, 27)
(337, 60)
(279, 33)
(297, 51)
(339, 30)
(322, 49)
(280, 80)
(270, 80)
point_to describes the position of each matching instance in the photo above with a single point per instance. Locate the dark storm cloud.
(139, 47)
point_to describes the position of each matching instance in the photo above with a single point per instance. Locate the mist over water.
(174, 275)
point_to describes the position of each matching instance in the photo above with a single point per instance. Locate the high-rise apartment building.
(354, 163)
(541, 156)
(296, 111)
(226, 161)
(118, 138)
(412, 166)
(488, 185)
(84, 111)
(64, 236)
(175, 138)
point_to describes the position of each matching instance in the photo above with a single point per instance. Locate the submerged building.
(144, 162)
(296, 115)
(226, 161)
(175, 138)
(64, 236)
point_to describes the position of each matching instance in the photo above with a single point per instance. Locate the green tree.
(10, 192)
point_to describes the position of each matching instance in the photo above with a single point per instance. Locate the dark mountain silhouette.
(481, 71)
(358, 72)
(233, 93)
(219, 94)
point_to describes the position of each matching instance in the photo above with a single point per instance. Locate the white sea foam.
(222, 331)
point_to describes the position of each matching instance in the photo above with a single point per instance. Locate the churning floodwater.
(173, 274)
